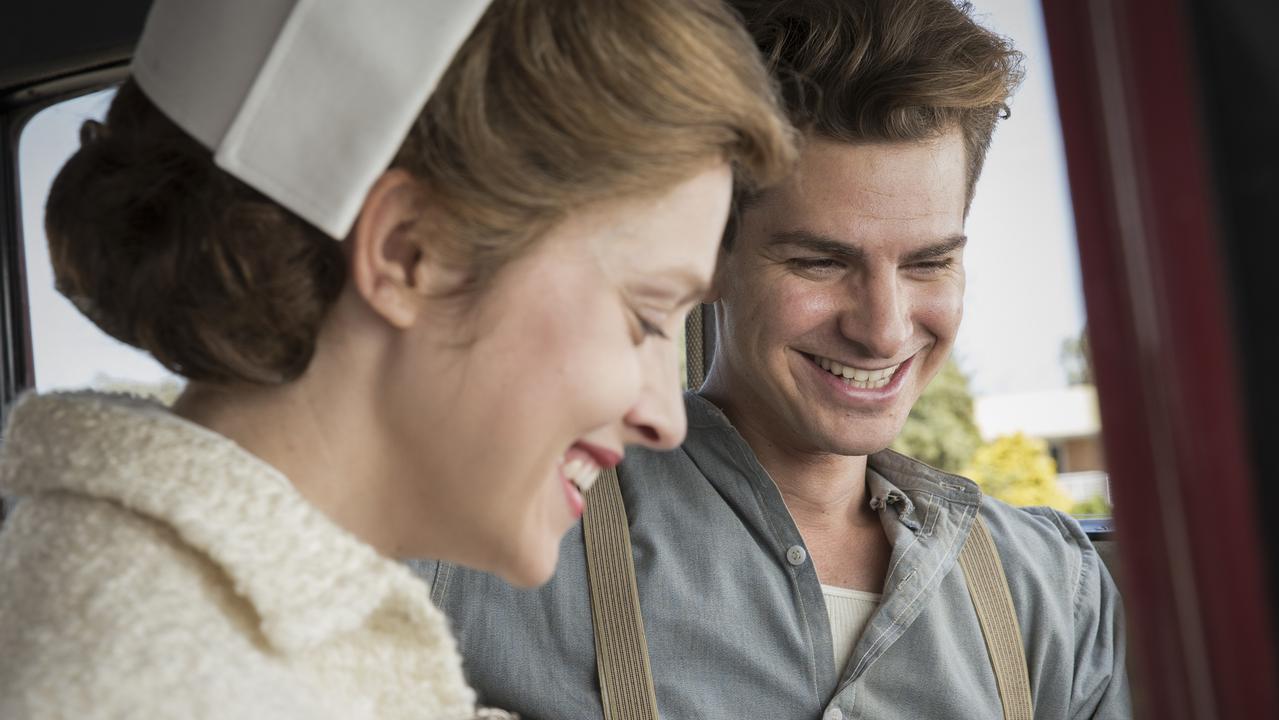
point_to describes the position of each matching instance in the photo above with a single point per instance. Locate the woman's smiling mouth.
(580, 467)
(582, 472)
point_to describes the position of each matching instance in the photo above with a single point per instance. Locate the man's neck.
(817, 486)
(823, 491)
(828, 499)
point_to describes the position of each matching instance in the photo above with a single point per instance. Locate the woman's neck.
(315, 441)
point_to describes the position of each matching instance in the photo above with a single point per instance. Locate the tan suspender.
(988, 587)
(621, 651)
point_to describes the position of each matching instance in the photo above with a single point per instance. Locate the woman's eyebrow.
(671, 280)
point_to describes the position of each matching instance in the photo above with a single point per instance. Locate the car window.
(1017, 410)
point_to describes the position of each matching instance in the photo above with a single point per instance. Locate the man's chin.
(858, 444)
(859, 450)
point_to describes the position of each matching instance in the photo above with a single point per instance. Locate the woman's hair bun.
(166, 252)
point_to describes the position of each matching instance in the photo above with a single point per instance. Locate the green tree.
(1018, 470)
(941, 429)
(1076, 359)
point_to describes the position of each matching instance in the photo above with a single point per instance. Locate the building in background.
(1065, 418)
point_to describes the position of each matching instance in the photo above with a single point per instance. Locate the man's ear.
(390, 267)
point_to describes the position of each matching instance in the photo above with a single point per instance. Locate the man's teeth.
(581, 472)
(856, 377)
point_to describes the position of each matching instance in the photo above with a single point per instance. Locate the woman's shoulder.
(101, 606)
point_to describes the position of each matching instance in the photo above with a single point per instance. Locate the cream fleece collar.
(307, 578)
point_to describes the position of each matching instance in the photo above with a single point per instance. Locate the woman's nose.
(657, 418)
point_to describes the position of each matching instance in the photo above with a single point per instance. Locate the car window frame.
(17, 108)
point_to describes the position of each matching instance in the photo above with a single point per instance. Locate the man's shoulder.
(1043, 529)
(1065, 599)
(1045, 553)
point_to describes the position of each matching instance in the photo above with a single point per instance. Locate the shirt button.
(834, 714)
(796, 555)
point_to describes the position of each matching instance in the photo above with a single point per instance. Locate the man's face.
(842, 295)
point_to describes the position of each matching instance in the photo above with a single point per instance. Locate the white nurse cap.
(306, 101)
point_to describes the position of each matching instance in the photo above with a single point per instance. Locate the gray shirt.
(735, 619)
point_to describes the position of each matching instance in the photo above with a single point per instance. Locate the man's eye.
(811, 264)
(932, 266)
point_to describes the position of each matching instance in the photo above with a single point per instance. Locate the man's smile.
(853, 376)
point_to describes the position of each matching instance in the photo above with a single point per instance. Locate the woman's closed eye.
(649, 328)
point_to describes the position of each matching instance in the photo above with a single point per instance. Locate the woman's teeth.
(856, 377)
(581, 473)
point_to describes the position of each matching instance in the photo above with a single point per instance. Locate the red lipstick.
(602, 456)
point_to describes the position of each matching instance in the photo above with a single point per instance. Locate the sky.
(1023, 298)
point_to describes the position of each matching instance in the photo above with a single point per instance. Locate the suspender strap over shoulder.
(984, 574)
(621, 651)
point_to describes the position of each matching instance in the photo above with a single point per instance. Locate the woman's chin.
(530, 570)
(527, 579)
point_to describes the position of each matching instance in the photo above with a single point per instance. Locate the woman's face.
(568, 356)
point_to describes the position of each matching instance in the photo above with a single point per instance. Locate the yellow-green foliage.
(1018, 470)
(941, 430)
(1095, 506)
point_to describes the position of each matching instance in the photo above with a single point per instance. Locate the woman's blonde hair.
(551, 105)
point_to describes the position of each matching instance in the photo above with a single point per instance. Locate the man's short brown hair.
(887, 70)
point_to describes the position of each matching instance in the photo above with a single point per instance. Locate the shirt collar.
(307, 578)
(893, 480)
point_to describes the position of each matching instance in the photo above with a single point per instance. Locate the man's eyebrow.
(938, 249)
(830, 246)
(817, 243)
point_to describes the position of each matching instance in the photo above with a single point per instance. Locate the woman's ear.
(390, 266)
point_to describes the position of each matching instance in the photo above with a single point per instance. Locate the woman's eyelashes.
(653, 311)
(648, 328)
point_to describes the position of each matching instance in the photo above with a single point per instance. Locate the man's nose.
(657, 419)
(878, 317)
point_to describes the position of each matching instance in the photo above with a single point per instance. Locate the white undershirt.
(849, 611)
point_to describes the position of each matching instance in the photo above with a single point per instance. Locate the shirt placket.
(915, 571)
